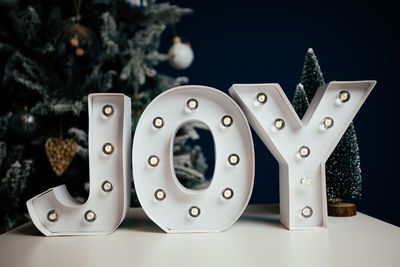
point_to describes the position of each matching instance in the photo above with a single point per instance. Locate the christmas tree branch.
(165, 13)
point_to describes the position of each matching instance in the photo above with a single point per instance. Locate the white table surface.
(256, 239)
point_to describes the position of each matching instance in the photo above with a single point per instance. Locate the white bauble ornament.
(180, 54)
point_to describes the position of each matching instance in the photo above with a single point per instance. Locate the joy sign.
(300, 146)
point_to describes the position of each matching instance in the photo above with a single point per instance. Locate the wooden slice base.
(342, 209)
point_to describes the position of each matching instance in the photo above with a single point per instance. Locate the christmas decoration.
(13, 185)
(342, 209)
(302, 145)
(24, 125)
(189, 162)
(139, 103)
(38, 40)
(343, 172)
(312, 77)
(54, 212)
(78, 48)
(180, 54)
(300, 102)
(162, 196)
(138, 4)
(302, 191)
(60, 153)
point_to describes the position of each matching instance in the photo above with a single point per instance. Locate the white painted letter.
(302, 146)
(165, 200)
(55, 212)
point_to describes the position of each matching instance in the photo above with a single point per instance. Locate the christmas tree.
(343, 173)
(300, 101)
(52, 55)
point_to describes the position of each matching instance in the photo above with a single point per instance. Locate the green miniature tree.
(300, 102)
(343, 172)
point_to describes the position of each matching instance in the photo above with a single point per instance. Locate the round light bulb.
(228, 193)
(306, 212)
(307, 182)
(107, 186)
(153, 161)
(344, 96)
(327, 123)
(107, 110)
(90, 216)
(159, 194)
(192, 104)
(262, 98)
(108, 148)
(304, 151)
(194, 212)
(158, 122)
(279, 124)
(52, 216)
(227, 121)
(233, 159)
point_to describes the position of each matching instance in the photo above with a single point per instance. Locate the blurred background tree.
(52, 55)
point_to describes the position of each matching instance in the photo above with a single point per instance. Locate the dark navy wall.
(266, 41)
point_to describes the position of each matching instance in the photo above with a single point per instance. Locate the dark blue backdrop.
(266, 41)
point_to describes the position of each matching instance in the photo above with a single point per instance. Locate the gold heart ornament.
(60, 153)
